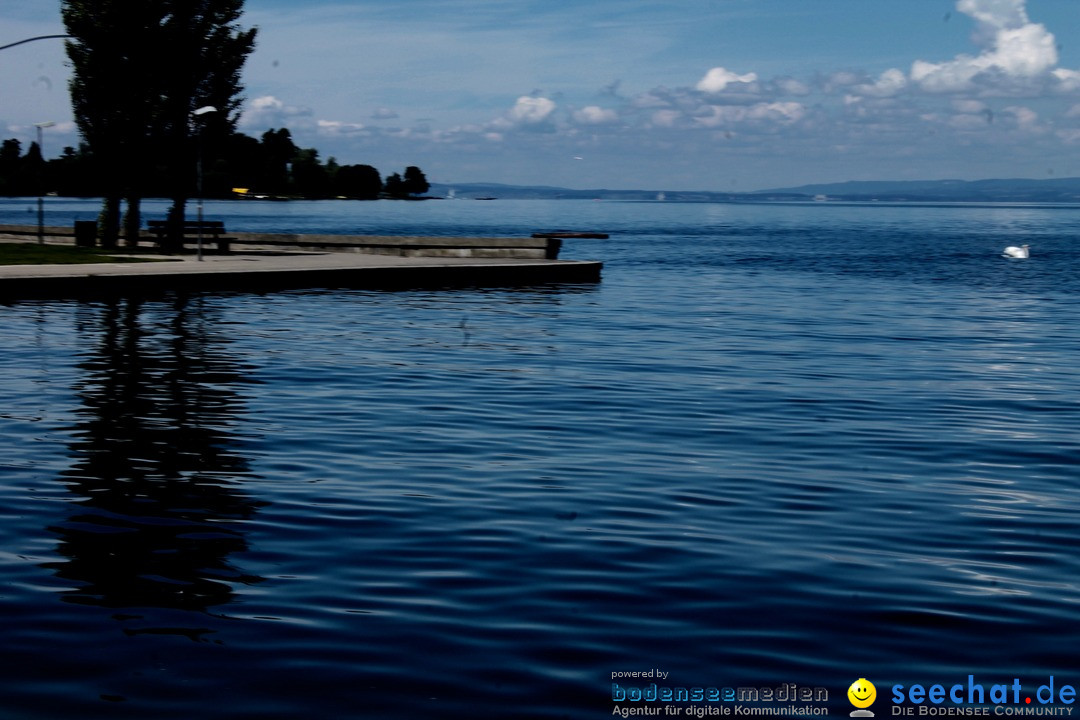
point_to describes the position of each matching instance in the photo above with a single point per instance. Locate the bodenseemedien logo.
(862, 694)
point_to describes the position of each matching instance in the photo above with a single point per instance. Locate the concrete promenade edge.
(269, 270)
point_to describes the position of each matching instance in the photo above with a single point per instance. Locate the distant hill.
(1055, 190)
(1017, 190)
(475, 191)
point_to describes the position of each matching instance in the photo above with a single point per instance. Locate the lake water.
(776, 444)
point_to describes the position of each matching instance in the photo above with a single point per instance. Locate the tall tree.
(278, 150)
(141, 67)
(311, 178)
(209, 50)
(109, 51)
(33, 170)
(394, 186)
(10, 154)
(415, 182)
(358, 181)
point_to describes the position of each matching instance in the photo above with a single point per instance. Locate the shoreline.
(266, 272)
(279, 262)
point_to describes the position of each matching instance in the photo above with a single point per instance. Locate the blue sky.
(676, 95)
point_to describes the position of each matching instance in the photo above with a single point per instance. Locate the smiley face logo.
(862, 693)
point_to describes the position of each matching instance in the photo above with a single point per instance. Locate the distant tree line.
(271, 166)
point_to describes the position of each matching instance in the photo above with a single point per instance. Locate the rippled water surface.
(775, 444)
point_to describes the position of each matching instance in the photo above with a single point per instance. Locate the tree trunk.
(176, 223)
(109, 221)
(132, 220)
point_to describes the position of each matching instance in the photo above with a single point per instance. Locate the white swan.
(1016, 252)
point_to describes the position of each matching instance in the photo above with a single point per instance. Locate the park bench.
(210, 230)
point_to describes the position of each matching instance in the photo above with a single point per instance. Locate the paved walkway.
(257, 261)
(264, 270)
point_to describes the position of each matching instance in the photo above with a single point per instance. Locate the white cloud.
(970, 115)
(791, 86)
(530, 110)
(595, 115)
(665, 118)
(888, 84)
(335, 127)
(265, 103)
(841, 79)
(1069, 136)
(719, 78)
(997, 14)
(1068, 80)
(1016, 51)
(656, 98)
(1026, 118)
(384, 114)
(968, 121)
(729, 115)
(531, 113)
(60, 128)
(268, 111)
(969, 106)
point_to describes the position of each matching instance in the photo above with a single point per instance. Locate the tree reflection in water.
(158, 469)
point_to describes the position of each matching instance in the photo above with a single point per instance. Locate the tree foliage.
(140, 68)
(395, 186)
(414, 182)
(278, 150)
(358, 181)
(272, 166)
(11, 176)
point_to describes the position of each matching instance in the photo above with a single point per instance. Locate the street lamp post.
(39, 37)
(206, 109)
(41, 201)
(39, 126)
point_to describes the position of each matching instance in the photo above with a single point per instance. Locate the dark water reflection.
(157, 465)
(150, 518)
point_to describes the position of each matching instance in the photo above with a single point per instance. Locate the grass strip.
(34, 254)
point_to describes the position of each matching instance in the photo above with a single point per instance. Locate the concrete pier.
(258, 268)
(531, 248)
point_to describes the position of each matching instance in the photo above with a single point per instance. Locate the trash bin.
(85, 233)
